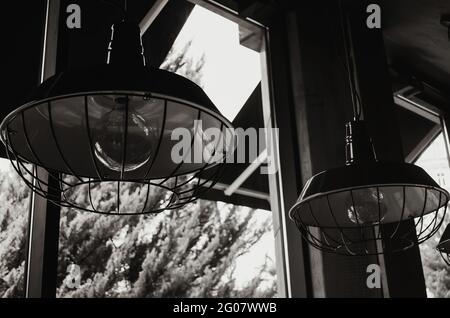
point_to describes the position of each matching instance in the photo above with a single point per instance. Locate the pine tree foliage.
(177, 62)
(437, 273)
(185, 253)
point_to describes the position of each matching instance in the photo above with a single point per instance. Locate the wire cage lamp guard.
(373, 239)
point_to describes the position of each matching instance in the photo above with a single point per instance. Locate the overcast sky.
(231, 71)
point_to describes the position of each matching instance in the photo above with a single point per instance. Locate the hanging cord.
(349, 64)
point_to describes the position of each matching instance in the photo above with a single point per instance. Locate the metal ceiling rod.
(246, 173)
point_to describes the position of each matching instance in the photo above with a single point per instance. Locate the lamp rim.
(217, 115)
(295, 207)
(317, 181)
(31, 104)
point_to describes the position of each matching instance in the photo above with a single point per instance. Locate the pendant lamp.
(360, 208)
(111, 125)
(444, 245)
(342, 210)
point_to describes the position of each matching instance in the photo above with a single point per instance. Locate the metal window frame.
(291, 263)
(43, 226)
(406, 98)
(44, 217)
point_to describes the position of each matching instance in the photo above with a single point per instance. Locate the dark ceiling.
(416, 42)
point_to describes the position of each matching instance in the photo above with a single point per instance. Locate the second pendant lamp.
(360, 208)
(349, 205)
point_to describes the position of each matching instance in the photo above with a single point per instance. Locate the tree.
(14, 195)
(437, 273)
(177, 62)
(187, 252)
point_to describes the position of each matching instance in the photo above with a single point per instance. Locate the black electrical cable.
(349, 64)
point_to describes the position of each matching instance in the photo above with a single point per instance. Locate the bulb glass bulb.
(125, 139)
(366, 207)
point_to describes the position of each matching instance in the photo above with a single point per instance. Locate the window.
(229, 72)
(437, 275)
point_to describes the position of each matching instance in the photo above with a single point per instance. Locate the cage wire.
(64, 186)
(378, 237)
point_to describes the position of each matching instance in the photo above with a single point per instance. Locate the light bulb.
(366, 206)
(109, 139)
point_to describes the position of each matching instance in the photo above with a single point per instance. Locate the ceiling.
(416, 42)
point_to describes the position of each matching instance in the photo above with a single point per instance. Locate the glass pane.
(229, 72)
(435, 161)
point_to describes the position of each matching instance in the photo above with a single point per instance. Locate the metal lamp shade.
(349, 204)
(444, 245)
(61, 123)
(115, 124)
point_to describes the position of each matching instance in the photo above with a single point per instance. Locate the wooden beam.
(407, 99)
(423, 144)
(231, 15)
(292, 255)
(235, 185)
